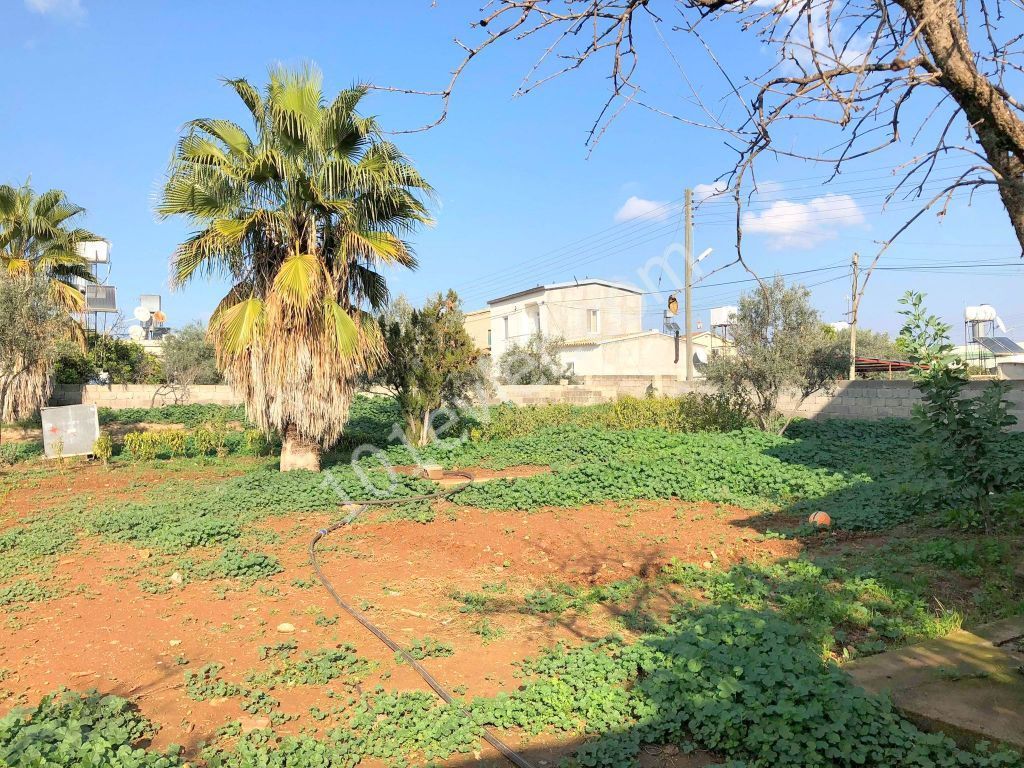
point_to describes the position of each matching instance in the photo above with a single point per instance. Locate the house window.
(488, 337)
(506, 326)
(593, 321)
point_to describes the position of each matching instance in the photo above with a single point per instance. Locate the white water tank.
(94, 251)
(984, 313)
(723, 315)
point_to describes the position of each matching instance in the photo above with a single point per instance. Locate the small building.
(600, 323)
(478, 326)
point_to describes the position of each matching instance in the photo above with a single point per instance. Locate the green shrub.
(141, 446)
(189, 416)
(689, 413)
(13, 453)
(103, 448)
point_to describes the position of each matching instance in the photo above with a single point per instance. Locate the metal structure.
(70, 430)
(722, 320)
(151, 319)
(982, 347)
(100, 298)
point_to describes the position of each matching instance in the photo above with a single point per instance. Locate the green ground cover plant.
(743, 683)
(426, 648)
(71, 729)
(313, 668)
(177, 516)
(747, 684)
(861, 473)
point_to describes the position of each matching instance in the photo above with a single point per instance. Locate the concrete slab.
(969, 685)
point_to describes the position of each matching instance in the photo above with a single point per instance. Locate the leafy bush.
(189, 357)
(844, 614)
(72, 729)
(126, 362)
(963, 438)
(103, 448)
(23, 592)
(427, 648)
(13, 453)
(207, 440)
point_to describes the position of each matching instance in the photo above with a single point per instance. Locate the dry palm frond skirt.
(298, 377)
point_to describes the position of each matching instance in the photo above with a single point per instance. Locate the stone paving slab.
(970, 685)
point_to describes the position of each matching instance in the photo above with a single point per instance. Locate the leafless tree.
(861, 67)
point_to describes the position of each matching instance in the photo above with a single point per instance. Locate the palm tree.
(39, 239)
(301, 216)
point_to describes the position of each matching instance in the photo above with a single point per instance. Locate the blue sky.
(98, 90)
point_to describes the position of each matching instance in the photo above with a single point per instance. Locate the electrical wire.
(361, 506)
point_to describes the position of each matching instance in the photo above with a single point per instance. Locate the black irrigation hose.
(511, 755)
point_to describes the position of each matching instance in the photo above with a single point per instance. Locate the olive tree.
(781, 348)
(31, 329)
(190, 358)
(538, 361)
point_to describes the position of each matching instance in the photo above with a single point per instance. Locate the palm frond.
(299, 280)
(238, 326)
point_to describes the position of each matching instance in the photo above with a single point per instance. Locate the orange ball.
(820, 519)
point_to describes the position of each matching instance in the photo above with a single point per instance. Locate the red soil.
(107, 633)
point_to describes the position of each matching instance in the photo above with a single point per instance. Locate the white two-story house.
(600, 323)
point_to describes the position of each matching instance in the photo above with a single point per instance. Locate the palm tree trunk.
(299, 453)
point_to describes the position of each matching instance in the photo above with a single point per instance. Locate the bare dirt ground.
(107, 632)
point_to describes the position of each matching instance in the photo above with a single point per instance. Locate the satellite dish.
(159, 317)
(141, 314)
(700, 358)
(136, 333)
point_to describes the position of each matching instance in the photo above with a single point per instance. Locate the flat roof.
(575, 283)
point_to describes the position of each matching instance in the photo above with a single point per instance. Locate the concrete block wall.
(861, 399)
(144, 395)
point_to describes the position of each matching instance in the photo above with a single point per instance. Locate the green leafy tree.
(781, 348)
(964, 438)
(124, 362)
(432, 361)
(539, 361)
(189, 358)
(300, 215)
(29, 334)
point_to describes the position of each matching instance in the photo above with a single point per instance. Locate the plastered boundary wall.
(862, 399)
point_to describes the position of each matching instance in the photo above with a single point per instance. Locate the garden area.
(633, 583)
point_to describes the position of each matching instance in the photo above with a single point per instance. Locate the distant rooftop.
(574, 284)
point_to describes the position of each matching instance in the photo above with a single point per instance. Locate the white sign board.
(70, 430)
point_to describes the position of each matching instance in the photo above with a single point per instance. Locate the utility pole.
(688, 277)
(854, 305)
